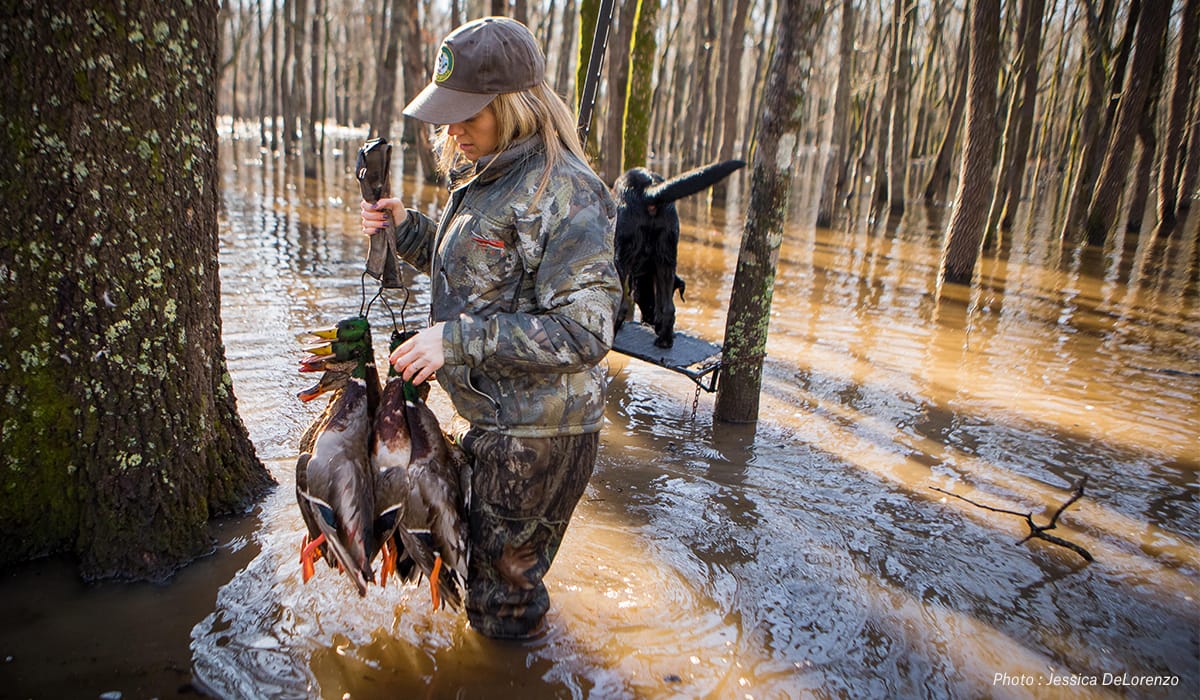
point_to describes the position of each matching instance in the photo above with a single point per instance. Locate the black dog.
(647, 239)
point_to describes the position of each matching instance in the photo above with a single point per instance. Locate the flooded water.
(807, 555)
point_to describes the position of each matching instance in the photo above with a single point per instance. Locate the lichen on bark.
(119, 432)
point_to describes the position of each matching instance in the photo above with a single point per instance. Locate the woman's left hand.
(417, 358)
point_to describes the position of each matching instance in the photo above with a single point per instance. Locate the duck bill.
(325, 333)
(314, 363)
(311, 393)
(317, 336)
(351, 555)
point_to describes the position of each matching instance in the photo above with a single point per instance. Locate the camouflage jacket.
(528, 291)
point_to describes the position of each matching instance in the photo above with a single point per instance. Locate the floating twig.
(1037, 531)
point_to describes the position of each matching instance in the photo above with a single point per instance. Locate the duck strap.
(372, 171)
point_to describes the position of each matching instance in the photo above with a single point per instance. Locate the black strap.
(591, 81)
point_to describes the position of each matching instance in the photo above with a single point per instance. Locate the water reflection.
(805, 555)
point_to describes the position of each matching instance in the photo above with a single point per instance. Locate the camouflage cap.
(476, 62)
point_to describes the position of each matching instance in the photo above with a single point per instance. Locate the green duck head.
(397, 338)
(347, 353)
(347, 330)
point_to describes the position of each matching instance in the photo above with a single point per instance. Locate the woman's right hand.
(381, 214)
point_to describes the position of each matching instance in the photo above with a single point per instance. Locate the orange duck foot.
(309, 551)
(433, 581)
(389, 561)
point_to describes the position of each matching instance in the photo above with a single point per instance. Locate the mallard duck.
(334, 481)
(418, 494)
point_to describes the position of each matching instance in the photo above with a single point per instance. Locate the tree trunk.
(589, 12)
(1185, 74)
(974, 197)
(1148, 40)
(939, 176)
(1148, 144)
(276, 89)
(1091, 125)
(120, 433)
(414, 81)
(287, 106)
(385, 87)
(1021, 111)
(566, 52)
(797, 28)
(618, 81)
(883, 125)
(1191, 166)
(1049, 136)
(702, 93)
(262, 77)
(831, 187)
(898, 158)
(643, 55)
(760, 79)
(733, 83)
(314, 102)
(299, 89)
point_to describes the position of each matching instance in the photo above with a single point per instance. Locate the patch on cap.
(445, 64)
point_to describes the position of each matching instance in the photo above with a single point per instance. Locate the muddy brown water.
(805, 556)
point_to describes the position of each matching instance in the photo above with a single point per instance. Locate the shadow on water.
(803, 556)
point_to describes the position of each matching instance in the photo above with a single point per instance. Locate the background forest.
(1088, 107)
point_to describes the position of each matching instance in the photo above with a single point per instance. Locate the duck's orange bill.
(310, 394)
(433, 581)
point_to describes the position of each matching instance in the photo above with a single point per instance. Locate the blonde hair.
(519, 115)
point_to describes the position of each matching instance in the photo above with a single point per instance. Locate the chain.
(695, 402)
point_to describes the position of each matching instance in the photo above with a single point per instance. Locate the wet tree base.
(62, 637)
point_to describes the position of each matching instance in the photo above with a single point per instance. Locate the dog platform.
(699, 360)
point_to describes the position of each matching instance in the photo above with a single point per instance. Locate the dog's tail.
(691, 182)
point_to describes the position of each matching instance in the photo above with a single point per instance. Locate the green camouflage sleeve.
(567, 249)
(414, 239)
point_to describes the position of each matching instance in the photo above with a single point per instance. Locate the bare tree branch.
(1037, 531)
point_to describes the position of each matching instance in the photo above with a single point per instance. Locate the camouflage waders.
(523, 491)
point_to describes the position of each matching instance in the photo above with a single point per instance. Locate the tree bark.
(385, 89)
(1089, 150)
(120, 436)
(315, 83)
(733, 82)
(797, 28)
(299, 88)
(643, 55)
(1102, 215)
(1021, 111)
(618, 80)
(832, 182)
(1184, 77)
(883, 126)
(898, 158)
(1191, 167)
(1148, 146)
(263, 103)
(939, 176)
(276, 88)
(566, 37)
(973, 200)
(701, 102)
(415, 78)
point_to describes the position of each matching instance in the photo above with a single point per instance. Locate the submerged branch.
(1038, 531)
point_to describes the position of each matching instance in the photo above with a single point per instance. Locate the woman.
(523, 297)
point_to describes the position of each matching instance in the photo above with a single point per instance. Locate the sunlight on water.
(806, 555)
